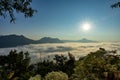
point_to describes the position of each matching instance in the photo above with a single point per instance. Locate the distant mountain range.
(19, 40)
(84, 40)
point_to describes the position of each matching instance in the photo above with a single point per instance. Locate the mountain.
(49, 40)
(84, 40)
(19, 40)
(14, 40)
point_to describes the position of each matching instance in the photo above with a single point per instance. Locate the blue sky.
(63, 18)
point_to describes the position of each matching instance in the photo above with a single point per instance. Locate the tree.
(16, 66)
(45, 67)
(8, 7)
(70, 65)
(60, 59)
(98, 65)
(56, 76)
(116, 5)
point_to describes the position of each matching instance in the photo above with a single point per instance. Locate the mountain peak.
(84, 40)
(49, 40)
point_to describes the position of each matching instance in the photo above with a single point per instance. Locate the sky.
(64, 19)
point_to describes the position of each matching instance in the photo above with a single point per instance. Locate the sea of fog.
(48, 50)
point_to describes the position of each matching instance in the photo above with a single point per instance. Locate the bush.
(56, 76)
(37, 77)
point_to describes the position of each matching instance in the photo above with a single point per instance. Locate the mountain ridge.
(49, 40)
(20, 40)
(83, 40)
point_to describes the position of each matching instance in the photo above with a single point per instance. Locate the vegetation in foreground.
(99, 65)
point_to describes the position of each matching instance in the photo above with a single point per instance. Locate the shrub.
(37, 77)
(56, 76)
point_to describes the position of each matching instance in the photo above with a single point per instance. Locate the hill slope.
(14, 40)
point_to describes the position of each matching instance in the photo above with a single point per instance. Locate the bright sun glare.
(86, 26)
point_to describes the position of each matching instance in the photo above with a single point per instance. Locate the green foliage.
(8, 7)
(70, 65)
(64, 64)
(56, 76)
(45, 67)
(15, 66)
(97, 66)
(60, 63)
(36, 77)
(60, 59)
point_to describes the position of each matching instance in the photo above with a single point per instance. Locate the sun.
(86, 26)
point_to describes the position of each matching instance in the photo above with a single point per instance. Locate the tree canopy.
(116, 5)
(9, 7)
(98, 65)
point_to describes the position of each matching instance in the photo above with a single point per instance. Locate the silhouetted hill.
(49, 40)
(14, 40)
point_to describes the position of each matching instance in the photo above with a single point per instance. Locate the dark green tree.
(8, 7)
(60, 59)
(16, 65)
(45, 67)
(70, 64)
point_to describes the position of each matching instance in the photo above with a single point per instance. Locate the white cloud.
(50, 49)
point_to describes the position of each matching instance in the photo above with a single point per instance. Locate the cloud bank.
(42, 51)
